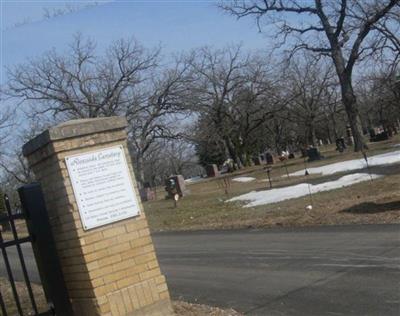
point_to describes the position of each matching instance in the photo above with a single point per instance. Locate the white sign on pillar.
(102, 186)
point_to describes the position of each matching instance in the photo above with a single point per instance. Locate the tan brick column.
(110, 270)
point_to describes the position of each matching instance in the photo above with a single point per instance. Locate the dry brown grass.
(188, 309)
(21, 227)
(363, 203)
(7, 294)
(180, 308)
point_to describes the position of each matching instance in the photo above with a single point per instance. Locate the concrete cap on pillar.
(74, 128)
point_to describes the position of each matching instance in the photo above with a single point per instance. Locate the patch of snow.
(295, 191)
(243, 179)
(396, 145)
(355, 164)
(194, 179)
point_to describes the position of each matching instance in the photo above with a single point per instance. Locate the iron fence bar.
(8, 243)
(3, 305)
(21, 256)
(10, 276)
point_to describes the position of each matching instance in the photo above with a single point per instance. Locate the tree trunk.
(278, 148)
(334, 127)
(232, 151)
(312, 135)
(350, 104)
(277, 138)
(328, 132)
(139, 170)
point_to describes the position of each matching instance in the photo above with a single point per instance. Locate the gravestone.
(340, 144)
(175, 185)
(313, 154)
(101, 232)
(147, 194)
(227, 167)
(349, 134)
(269, 158)
(256, 160)
(212, 171)
(381, 136)
(372, 134)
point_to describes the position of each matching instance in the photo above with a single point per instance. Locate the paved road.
(340, 270)
(347, 270)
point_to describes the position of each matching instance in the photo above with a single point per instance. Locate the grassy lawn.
(205, 206)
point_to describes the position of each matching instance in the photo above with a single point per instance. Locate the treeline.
(200, 107)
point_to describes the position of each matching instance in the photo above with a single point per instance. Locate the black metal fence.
(8, 220)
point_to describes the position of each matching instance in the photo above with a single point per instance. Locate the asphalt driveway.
(337, 270)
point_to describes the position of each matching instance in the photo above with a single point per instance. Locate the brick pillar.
(109, 270)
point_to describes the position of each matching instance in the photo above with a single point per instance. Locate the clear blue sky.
(176, 25)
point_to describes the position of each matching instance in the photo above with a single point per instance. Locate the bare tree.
(309, 81)
(209, 145)
(254, 104)
(236, 96)
(6, 123)
(379, 100)
(169, 157)
(347, 31)
(334, 114)
(162, 106)
(217, 74)
(128, 81)
(15, 166)
(80, 84)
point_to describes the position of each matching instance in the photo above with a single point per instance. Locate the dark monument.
(256, 160)
(175, 185)
(380, 137)
(313, 154)
(340, 144)
(212, 171)
(269, 158)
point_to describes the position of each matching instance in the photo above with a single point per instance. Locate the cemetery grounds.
(206, 206)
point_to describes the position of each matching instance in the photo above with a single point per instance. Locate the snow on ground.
(383, 159)
(243, 179)
(396, 145)
(193, 180)
(256, 198)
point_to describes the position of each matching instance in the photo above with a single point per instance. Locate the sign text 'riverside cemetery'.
(102, 186)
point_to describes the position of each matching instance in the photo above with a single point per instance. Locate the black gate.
(39, 236)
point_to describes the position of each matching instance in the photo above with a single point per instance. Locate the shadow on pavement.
(372, 207)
